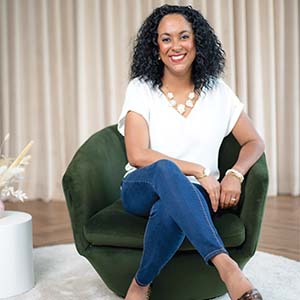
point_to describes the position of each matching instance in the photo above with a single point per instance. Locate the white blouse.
(196, 138)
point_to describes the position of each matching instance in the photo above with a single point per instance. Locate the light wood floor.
(280, 231)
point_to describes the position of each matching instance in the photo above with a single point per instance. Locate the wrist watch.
(206, 172)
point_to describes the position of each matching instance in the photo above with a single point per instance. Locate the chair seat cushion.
(113, 226)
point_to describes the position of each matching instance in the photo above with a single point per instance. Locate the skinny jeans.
(176, 209)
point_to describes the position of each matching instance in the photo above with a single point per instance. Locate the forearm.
(146, 157)
(249, 154)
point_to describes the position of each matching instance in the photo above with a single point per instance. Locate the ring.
(233, 199)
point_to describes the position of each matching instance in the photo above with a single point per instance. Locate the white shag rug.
(62, 274)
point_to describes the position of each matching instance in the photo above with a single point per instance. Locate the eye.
(165, 39)
(185, 37)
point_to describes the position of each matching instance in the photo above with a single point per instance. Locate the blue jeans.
(176, 208)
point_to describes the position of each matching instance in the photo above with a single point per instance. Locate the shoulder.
(215, 91)
(222, 96)
(222, 91)
(220, 86)
(139, 84)
(139, 89)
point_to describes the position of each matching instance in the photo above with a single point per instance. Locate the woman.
(176, 113)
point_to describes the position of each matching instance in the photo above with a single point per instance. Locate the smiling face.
(176, 44)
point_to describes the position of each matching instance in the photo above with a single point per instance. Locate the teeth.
(178, 57)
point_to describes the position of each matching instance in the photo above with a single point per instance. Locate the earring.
(159, 58)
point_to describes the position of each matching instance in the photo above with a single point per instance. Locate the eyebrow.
(181, 32)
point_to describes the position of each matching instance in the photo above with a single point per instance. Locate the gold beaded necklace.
(181, 108)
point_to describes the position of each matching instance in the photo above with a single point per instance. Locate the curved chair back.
(92, 179)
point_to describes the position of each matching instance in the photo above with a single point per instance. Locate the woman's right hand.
(212, 186)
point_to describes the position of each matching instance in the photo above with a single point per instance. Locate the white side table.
(16, 267)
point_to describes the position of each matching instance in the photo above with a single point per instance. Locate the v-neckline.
(175, 110)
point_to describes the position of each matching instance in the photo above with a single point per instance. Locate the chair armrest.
(252, 210)
(92, 179)
(78, 193)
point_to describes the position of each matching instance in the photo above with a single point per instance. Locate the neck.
(175, 82)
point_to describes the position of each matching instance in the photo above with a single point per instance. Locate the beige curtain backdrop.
(64, 68)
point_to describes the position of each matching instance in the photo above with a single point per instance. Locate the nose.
(176, 46)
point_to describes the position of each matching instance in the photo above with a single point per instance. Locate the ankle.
(140, 286)
(226, 266)
(137, 291)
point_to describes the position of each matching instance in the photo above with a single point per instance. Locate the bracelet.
(235, 173)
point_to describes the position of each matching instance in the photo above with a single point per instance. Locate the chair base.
(195, 281)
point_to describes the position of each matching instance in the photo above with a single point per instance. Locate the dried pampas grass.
(11, 172)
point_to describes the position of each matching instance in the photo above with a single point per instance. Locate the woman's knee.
(166, 166)
(137, 197)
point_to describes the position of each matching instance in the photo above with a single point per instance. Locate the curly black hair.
(210, 57)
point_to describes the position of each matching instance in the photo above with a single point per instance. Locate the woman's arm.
(252, 147)
(137, 147)
(139, 155)
(250, 141)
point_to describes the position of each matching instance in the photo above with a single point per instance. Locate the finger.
(213, 202)
(218, 194)
(216, 201)
(227, 200)
(237, 197)
(233, 200)
(222, 199)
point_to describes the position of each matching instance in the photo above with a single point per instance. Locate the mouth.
(177, 58)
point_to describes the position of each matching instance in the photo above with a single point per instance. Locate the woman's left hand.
(230, 191)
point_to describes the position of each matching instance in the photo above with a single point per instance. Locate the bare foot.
(137, 292)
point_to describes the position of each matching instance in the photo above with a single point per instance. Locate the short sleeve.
(137, 100)
(234, 107)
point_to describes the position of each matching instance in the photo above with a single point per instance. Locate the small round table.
(16, 267)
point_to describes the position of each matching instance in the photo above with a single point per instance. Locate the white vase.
(2, 209)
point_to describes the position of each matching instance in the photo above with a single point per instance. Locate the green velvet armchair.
(112, 239)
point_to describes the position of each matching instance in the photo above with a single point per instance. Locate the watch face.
(206, 171)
